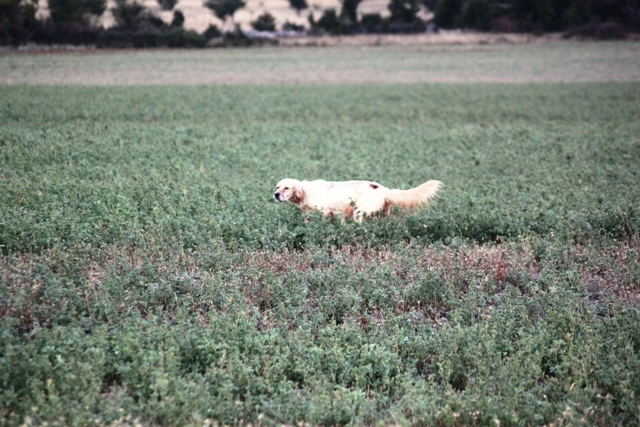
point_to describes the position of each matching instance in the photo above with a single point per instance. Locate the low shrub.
(150, 37)
(264, 22)
(374, 23)
(178, 19)
(289, 26)
(211, 32)
(599, 31)
(329, 22)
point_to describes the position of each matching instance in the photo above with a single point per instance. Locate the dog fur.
(351, 199)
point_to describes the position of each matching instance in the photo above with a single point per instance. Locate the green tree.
(533, 15)
(430, 4)
(16, 18)
(328, 21)
(178, 19)
(477, 15)
(446, 12)
(404, 10)
(72, 11)
(537, 14)
(350, 11)
(167, 4)
(264, 22)
(224, 9)
(372, 22)
(298, 5)
(404, 16)
(129, 13)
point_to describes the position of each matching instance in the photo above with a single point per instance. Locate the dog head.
(289, 190)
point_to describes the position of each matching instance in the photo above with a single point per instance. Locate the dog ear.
(297, 195)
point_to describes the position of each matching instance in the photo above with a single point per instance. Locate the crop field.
(147, 277)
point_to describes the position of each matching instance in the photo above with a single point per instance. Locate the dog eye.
(286, 188)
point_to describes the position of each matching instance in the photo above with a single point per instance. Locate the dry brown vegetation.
(600, 269)
(600, 272)
(442, 38)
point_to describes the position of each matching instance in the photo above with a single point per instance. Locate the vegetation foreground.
(148, 277)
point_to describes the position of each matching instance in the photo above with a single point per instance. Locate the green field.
(148, 277)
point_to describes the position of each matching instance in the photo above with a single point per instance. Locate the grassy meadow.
(390, 59)
(148, 278)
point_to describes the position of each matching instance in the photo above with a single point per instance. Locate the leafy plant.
(147, 276)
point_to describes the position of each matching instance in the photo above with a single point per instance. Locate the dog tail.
(414, 197)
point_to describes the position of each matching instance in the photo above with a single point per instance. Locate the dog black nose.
(276, 196)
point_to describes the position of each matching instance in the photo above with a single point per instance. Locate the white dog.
(351, 199)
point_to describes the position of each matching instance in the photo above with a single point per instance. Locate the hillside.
(198, 17)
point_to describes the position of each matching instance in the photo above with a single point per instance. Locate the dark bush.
(264, 22)
(536, 16)
(75, 11)
(238, 38)
(298, 5)
(446, 12)
(404, 17)
(178, 19)
(404, 10)
(290, 26)
(350, 10)
(557, 16)
(224, 9)
(505, 24)
(476, 15)
(150, 37)
(601, 31)
(415, 26)
(373, 23)
(329, 22)
(17, 21)
(311, 20)
(344, 23)
(167, 4)
(211, 32)
(129, 14)
(46, 32)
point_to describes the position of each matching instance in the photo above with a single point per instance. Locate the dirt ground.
(428, 58)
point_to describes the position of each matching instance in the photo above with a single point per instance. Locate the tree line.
(76, 21)
(535, 15)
